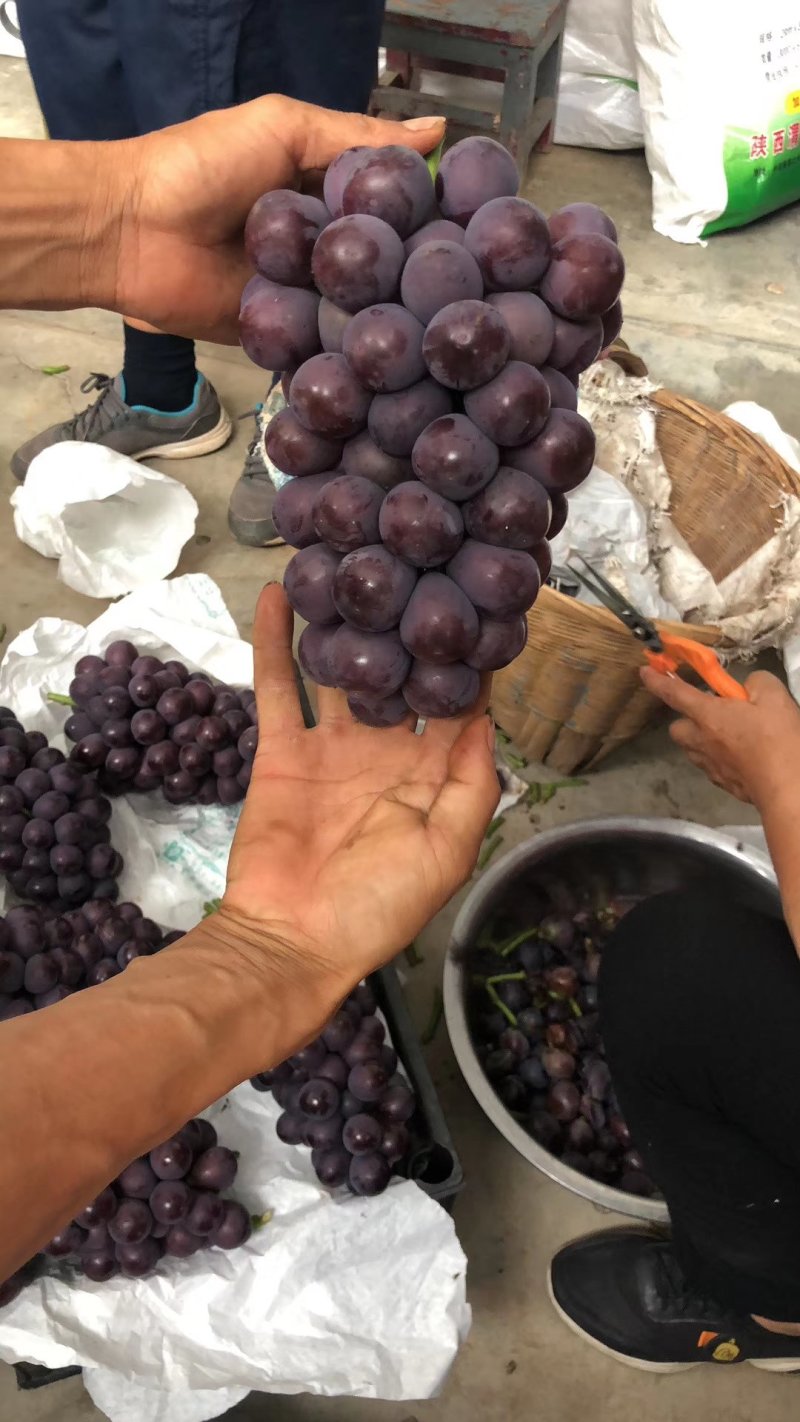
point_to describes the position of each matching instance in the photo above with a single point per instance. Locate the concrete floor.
(710, 323)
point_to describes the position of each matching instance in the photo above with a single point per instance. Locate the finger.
(332, 705)
(278, 704)
(314, 137)
(677, 694)
(466, 802)
(763, 687)
(686, 735)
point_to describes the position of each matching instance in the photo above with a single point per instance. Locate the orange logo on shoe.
(706, 1338)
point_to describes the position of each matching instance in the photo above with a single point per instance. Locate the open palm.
(351, 839)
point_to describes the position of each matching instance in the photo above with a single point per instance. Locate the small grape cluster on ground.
(145, 724)
(168, 1202)
(533, 1014)
(343, 1097)
(430, 338)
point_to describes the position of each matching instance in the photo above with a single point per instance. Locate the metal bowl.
(655, 855)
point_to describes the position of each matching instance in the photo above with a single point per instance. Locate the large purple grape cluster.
(55, 843)
(343, 1097)
(46, 956)
(144, 724)
(168, 1203)
(431, 339)
(533, 1013)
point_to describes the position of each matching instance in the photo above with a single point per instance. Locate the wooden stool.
(515, 41)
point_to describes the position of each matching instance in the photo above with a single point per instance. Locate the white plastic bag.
(113, 524)
(720, 94)
(598, 98)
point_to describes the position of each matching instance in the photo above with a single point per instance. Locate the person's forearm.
(780, 816)
(59, 223)
(95, 1081)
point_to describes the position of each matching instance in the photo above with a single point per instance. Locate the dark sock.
(158, 370)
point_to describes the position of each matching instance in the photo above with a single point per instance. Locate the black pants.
(117, 68)
(700, 1007)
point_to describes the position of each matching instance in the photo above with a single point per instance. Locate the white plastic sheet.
(113, 524)
(335, 1294)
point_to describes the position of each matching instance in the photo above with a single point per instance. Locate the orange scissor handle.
(680, 651)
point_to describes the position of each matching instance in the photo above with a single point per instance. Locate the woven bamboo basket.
(574, 695)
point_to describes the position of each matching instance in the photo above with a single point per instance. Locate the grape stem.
(60, 699)
(434, 159)
(506, 949)
(491, 847)
(437, 1011)
(574, 1007)
(500, 1005)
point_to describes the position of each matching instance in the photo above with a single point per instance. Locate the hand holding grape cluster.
(430, 364)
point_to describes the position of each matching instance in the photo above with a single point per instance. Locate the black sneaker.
(623, 1292)
(135, 430)
(253, 495)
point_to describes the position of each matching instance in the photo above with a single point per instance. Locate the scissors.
(663, 651)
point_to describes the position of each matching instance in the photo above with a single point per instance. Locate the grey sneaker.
(253, 494)
(135, 431)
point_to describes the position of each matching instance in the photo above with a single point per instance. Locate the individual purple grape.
(398, 1103)
(440, 691)
(471, 173)
(278, 324)
(454, 458)
(338, 174)
(512, 408)
(138, 1260)
(12, 801)
(501, 582)
(559, 1065)
(99, 1265)
(438, 274)
(41, 973)
(419, 525)
(171, 1160)
(318, 1098)
(313, 653)
(543, 559)
(379, 711)
(363, 1048)
(94, 808)
(83, 687)
(576, 344)
(290, 1128)
(563, 394)
(67, 1241)
(395, 1142)
(439, 624)
(369, 1174)
(146, 665)
(179, 787)
(612, 324)
(530, 323)
(363, 457)
(375, 663)
(102, 970)
(174, 706)
(361, 1134)
(143, 690)
(138, 1180)
(466, 344)
(392, 183)
(147, 727)
(202, 696)
(34, 833)
(12, 971)
(213, 733)
(308, 582)
(18, 1008)
(247, 744)
(367, 1081)
(332, 321)
(102, 861)
(357, 262)
(581, 217)
(199, 1134)
(332, 1167)
(584, 277)
(297, 450)
(132, 1222)
(215, 1169)
(346, 513)
(43, 757)
(120, 654)
(324, 1135)
(513, 511)
(440, 229)
(561, 456)
(68, 858)
(90, 665)
(205, 1213)
(31, 785)
(279, 235)
(510, 241)
(99, 1211)
(335, 1069)
(372, 587)
(563, 1101)
(328, 399)
(226, 762)
(180, 1243)
(397, 420)
(339, 1032)
(499, 643)
(383, 346)
(233, 1228)
(122, 764)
